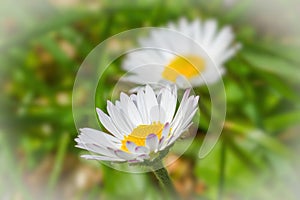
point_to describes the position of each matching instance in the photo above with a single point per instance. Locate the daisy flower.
(140, 126)
(189, 64)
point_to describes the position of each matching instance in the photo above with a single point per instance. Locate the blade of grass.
(52, 46)
(273, 65)
(237, 11)
(222, 170)
(282, 121)
(59, 160)
(257, 136)
(243, 156)
(10, 171)
(60, 20)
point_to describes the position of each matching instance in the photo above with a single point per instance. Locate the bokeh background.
(42, 45)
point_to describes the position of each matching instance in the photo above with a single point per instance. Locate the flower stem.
(162, 175)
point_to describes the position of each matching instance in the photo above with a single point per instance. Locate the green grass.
(36, 81)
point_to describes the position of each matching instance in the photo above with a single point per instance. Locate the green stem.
(162, 175)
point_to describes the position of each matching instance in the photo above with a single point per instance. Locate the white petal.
(152, 142)
(223, 40)
(133, 98)
(124, 155)
(184, 26)
(108, 124)
(187, 121)
(182, 82)
(142, 107)
(196, 33)
(171, 25)
(140, 158)
(155, 114)
(142, 78)
(131, 146)
(168, 104)
(187, 112)
(179, 114)
(88, 135)
(118, 119)
(166, 130)
(142, 150)
(209, 29)
(96, 149)
(166, 142)
(104, 158)
(173, 139)
(150, 100)
(196, 100)
(162, 115)
(161, 142)
(179, 133)
(134, 114)
(133, 161)
(158, 38)
(143, 157)
(228, 54)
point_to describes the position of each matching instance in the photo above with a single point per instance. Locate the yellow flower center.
(188, 66)
(140, 133)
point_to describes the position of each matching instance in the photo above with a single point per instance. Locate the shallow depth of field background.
(42, 45)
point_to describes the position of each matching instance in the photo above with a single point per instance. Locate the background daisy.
(182, 60)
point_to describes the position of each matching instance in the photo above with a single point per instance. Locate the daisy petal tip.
(187, 92)
(130, 146)
(151, 136)
(141, 149)
(161, 140)
(134, 161)
(87, 157)
(137, 148)
(81, 129)
(196, 100)
(167, 125)
(109, 103)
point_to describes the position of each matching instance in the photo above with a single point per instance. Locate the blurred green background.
(42, 45)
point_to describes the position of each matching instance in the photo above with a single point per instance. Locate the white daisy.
(190, 63)
(141, 126)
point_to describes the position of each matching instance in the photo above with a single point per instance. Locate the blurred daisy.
(190, 65)
(141, 126)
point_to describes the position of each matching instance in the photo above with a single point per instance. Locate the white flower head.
(188, 63)
(140, 126)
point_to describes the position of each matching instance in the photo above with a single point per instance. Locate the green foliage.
(39, 64)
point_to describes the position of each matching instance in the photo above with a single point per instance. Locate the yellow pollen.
(188, 66)
(140, 133)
